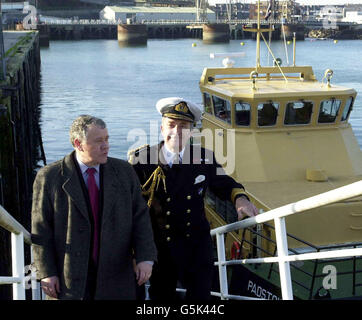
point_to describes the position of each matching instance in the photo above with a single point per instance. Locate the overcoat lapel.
(111, 190)
(72, 185)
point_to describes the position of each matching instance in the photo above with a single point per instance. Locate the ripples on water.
(122, 84)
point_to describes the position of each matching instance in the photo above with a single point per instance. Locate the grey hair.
(80, 126)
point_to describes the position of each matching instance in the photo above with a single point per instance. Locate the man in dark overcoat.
(174, 176)
(90, 222)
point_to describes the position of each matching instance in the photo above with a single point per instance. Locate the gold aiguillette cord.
(154, 179)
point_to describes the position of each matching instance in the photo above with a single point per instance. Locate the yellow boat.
(291, 140)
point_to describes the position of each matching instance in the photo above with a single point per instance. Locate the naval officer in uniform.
(174, 176)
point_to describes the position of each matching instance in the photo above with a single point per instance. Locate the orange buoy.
(235, 250)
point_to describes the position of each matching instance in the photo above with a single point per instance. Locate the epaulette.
(133, 153)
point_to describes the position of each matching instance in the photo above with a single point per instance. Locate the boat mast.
(259, 33)
(258, 39)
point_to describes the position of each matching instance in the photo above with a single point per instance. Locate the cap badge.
(181, 107)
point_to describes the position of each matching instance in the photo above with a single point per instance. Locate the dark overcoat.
(61, 229)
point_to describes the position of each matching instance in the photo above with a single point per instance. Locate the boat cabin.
(272, 102)
(285, 136)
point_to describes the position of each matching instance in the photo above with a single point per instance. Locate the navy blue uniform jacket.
(180, 227)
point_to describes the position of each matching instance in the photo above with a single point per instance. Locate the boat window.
(222, 109)
(207, 103)
(347, 109)
(267, 113)
(242, 113)
(329, 110)
(298, 112)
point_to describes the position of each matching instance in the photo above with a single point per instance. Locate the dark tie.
(93, 196)
(176, 160)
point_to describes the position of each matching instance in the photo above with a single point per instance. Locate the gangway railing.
(282, 253)
(19, 236)
(19, 280)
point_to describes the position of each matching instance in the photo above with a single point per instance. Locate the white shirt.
(170, 156)
(83, 169)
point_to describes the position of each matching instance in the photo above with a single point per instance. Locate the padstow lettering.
(260, 292)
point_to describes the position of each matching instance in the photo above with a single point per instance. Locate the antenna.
(258, 39)
(258, 31)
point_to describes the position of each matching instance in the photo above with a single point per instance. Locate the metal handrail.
(19, 235)
(283, 258)
(13, 226)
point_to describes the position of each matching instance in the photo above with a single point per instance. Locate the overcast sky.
(304, 2)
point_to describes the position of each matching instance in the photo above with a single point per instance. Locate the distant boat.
(315, 39)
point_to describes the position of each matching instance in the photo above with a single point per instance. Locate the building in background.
(353, 16)
(353, 13)
(100, 2)
(330, 13)
(289, 10)
(238, 10)
(12, 12)
(161, 3)
(139, 13)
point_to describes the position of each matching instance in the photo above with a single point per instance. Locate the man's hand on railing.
(245, 208)
(50, 286)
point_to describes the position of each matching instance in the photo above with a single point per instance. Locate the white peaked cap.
(174, 108)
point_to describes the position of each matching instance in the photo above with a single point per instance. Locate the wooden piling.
(20, 138)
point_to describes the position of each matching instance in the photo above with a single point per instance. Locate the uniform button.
(77, 253)
(188, 224)
(188, 197)
(187, 235)
(188, 210)
(168, 199)
(167, 226)
(168, 213)
(168, 239)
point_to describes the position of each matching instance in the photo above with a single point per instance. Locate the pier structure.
(173, 29)
(170, 29)
(20, 143)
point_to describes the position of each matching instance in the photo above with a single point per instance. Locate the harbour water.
(122, 84)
